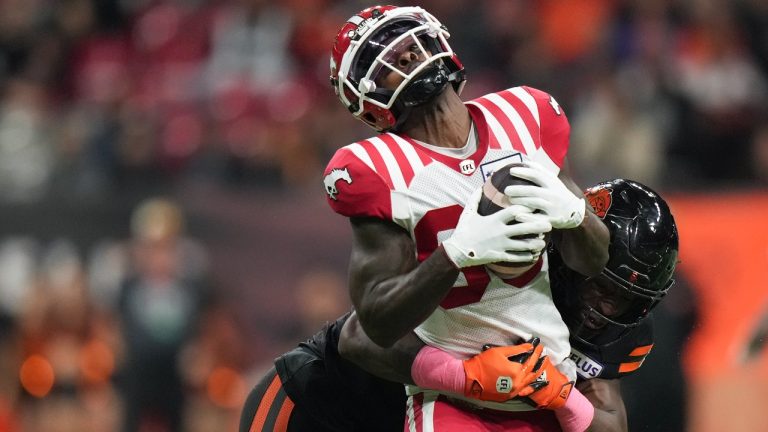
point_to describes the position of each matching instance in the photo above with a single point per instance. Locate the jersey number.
(444, 219)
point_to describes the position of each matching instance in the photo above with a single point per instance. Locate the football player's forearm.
(392, 363)
(394, 307)
(605, 396)
(585, 248)
(607, 421)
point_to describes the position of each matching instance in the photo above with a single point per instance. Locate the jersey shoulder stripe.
(395, 160)
(530, 103)
(526, 115)
(509, 115)
(497, 132)
(505, 140)
(554, 129)
(513, 116)
(410, 161)
(380, 165)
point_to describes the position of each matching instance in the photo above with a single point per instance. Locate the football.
(493, 200)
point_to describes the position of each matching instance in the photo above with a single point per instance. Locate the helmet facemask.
(373, 55)
(602, 309)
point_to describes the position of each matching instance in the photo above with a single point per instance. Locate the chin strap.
(423, 89)
(425, 86)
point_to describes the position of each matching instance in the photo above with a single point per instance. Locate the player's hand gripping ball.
(493, 200)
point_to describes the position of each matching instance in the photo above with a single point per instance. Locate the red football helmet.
(366, 50)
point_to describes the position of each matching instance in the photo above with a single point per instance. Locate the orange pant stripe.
(281, 423)
(266, 403)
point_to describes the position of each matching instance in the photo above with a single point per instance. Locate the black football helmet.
(642, 258)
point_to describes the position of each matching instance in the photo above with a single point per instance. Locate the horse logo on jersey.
(600, 200)
(330, 180)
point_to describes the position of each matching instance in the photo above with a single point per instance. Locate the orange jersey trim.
(629, 367)
(641, 350)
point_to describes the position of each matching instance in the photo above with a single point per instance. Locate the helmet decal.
(600, 200)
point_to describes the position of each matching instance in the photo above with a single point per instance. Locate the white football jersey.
(394, 177)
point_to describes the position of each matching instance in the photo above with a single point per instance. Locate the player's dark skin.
(390, 290)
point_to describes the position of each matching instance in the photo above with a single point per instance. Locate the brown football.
(493, 200)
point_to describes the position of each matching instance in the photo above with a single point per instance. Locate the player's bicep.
(605, 396)
(381, 250)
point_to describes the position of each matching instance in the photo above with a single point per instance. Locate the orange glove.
(551, 388)
(499, 373)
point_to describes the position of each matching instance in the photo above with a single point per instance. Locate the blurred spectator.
(104, 103)
(320, 297)
(26, 160)
(69, 351)
(723, 94)
(160, 307)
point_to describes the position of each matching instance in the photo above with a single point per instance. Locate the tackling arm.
(392, 363)
(584, 248)
(410, 361)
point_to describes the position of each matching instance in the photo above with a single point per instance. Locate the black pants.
(269, 409)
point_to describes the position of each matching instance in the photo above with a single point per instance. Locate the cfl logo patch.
(503, 384)
(467, 166)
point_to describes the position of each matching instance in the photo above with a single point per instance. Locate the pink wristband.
(577, 414)
(437, 370)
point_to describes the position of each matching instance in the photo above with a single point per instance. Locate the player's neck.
(444, 123)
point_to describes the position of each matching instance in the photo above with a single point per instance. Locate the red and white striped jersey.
(396, 178)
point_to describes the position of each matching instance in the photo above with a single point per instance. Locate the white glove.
(563, 209)
(485, 239)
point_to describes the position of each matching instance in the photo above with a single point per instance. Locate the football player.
(611, 334)
(411, 193)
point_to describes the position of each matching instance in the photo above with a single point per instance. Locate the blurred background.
(163, 227)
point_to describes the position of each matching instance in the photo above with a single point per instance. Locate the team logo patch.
(504, 384)
(467, 166)
(600, 200)
(330, 180)
(586, 367)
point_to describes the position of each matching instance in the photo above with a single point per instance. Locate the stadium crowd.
(224, 106)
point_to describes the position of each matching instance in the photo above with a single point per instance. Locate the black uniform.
(617, 359)
(319, 391)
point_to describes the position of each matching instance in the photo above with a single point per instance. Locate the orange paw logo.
(600, 200)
